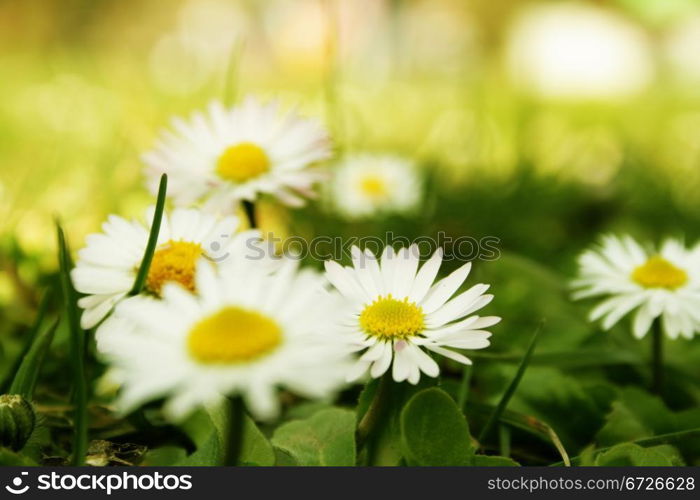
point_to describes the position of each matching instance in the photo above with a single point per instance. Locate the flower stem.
(464, 386)
(249, 208)
(657, 357)
(369, 423)
(235, 436)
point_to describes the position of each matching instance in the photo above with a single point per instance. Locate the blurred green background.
(543, 123)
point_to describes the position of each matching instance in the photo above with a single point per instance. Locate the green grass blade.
(152, 238)
(31, 336)
(496, 415)
(77, 352)
(26, 376)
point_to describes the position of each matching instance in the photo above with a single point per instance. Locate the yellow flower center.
(657, 272)
(173, 261)
(373, 186)
(389, 318)
(242, 162)
(233, 335)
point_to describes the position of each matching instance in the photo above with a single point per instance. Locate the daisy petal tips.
(397, 314)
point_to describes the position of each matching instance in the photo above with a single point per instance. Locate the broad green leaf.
(634, 415)
(326, 438)
(629, 454)
(26, 376)
(284, 459)
(164, 456)
(678, 439)
(209, 428)
(637, 415)
(572, 406)
(434, 431)
(493, 461)
(386, 447)
(10, 458)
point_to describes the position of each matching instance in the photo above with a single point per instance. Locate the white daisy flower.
(107, 266)
(236, 154)
(364, 185)
(396, 313)
(247, 331)
(659, 284)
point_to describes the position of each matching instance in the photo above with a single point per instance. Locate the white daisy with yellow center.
(247, 332)
(233, 154)
(397, 313)
(106, 268)
(364, 185)
(661, 284)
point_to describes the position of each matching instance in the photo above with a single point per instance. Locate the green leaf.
(495, 417)
(10, 458)
(629, 454)
(208, 429)
(142, 273)
(573, 407)
(635, 414)
(284, 459)
(77, 352)
(325, 439)
(493, 461)
(26, 376)
(678, 439)
(434, 431)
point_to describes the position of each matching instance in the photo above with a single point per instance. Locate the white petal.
(425, 277)
(382, 364)
(443, 289)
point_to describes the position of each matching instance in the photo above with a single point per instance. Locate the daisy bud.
(17, 420)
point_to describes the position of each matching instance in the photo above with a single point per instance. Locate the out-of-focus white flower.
(237, 154)
(364, 185)
(664, 284)
(106, 268)
(246, 332)
(682, 47)
(577, 51)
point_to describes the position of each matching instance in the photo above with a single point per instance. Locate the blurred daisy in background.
(572, 50)
(396, 313)
(107, 266)
(661, 284)
(228, 155)
(276, 331)
(681, 46)
(365, 185)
